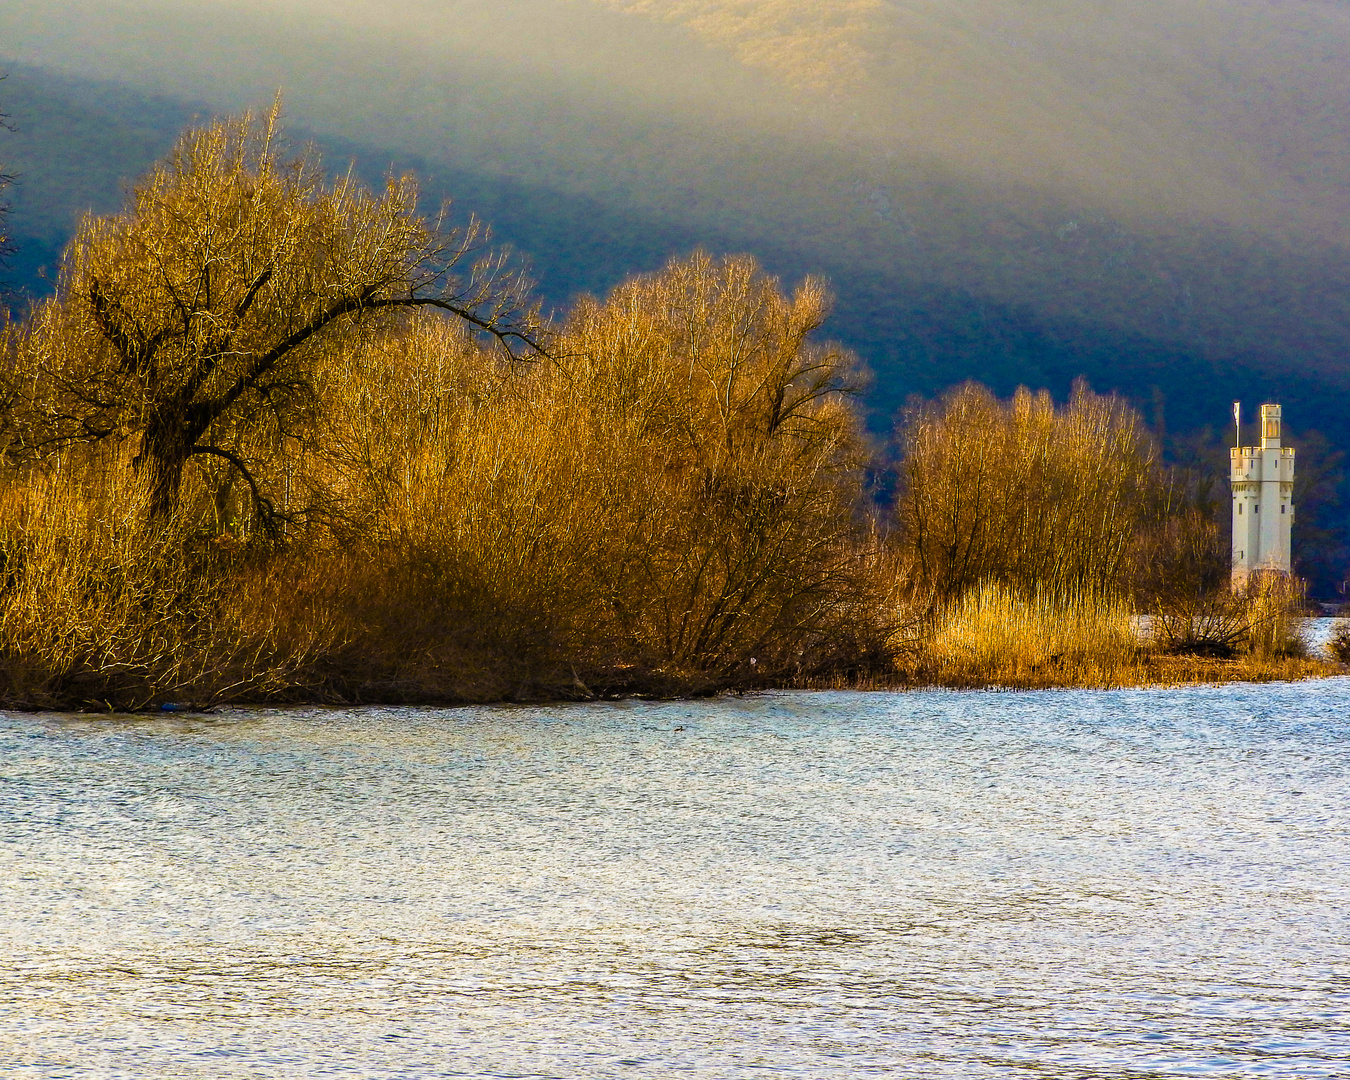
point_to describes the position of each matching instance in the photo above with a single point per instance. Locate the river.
(1141, 883)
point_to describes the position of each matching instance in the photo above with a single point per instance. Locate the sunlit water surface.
(1072, 884)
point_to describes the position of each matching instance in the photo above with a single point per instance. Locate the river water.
(1064, 884)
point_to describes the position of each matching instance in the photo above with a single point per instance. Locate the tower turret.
(1262, 479)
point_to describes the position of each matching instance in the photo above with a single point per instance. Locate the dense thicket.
(670, 502)
(671, 498)
(1023, 493)
(279, 437)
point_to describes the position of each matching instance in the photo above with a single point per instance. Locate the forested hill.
(1022, 194)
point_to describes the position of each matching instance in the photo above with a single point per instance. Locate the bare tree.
(1020, 492)
(744, 458)
(196, 316)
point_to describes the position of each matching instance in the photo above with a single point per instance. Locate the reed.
(997, 635)
(104, 607)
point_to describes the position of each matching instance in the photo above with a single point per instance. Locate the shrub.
(1273, 609)
(102, 606)
(1338, 645)
(676, 494)
(1021, 492)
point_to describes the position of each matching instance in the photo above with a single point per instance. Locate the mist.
(1231, 110)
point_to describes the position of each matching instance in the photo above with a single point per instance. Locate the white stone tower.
(1262, 478)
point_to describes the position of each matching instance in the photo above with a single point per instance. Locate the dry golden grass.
(103, 608)
(994, 635)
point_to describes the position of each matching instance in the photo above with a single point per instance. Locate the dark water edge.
(1170, 673)
(1152, 670)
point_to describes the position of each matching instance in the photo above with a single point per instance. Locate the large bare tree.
(199, 311)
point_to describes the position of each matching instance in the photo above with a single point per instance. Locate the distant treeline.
(281, 437)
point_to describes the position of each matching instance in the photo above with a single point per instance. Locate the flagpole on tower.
(1237, 422)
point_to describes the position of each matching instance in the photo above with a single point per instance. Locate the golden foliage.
(191, 323)
(671, 499)
(1021, 492)
(672, 496)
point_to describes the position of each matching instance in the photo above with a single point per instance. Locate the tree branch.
(267, 513)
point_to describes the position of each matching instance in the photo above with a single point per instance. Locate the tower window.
(1239, 509)
(1281, 508)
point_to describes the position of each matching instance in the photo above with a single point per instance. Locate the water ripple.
(1062, 884)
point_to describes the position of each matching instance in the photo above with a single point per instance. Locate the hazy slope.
(1152, 193)
(1225, 109)
(1232, 109)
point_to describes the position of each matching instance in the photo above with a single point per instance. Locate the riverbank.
(994, 637)
(120, 619)
(1149, 670)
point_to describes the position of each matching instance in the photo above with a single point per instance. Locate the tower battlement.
(1262, 482)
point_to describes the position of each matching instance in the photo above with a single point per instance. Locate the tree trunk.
(167, 445)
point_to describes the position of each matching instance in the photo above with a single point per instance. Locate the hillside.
(1153, 197)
